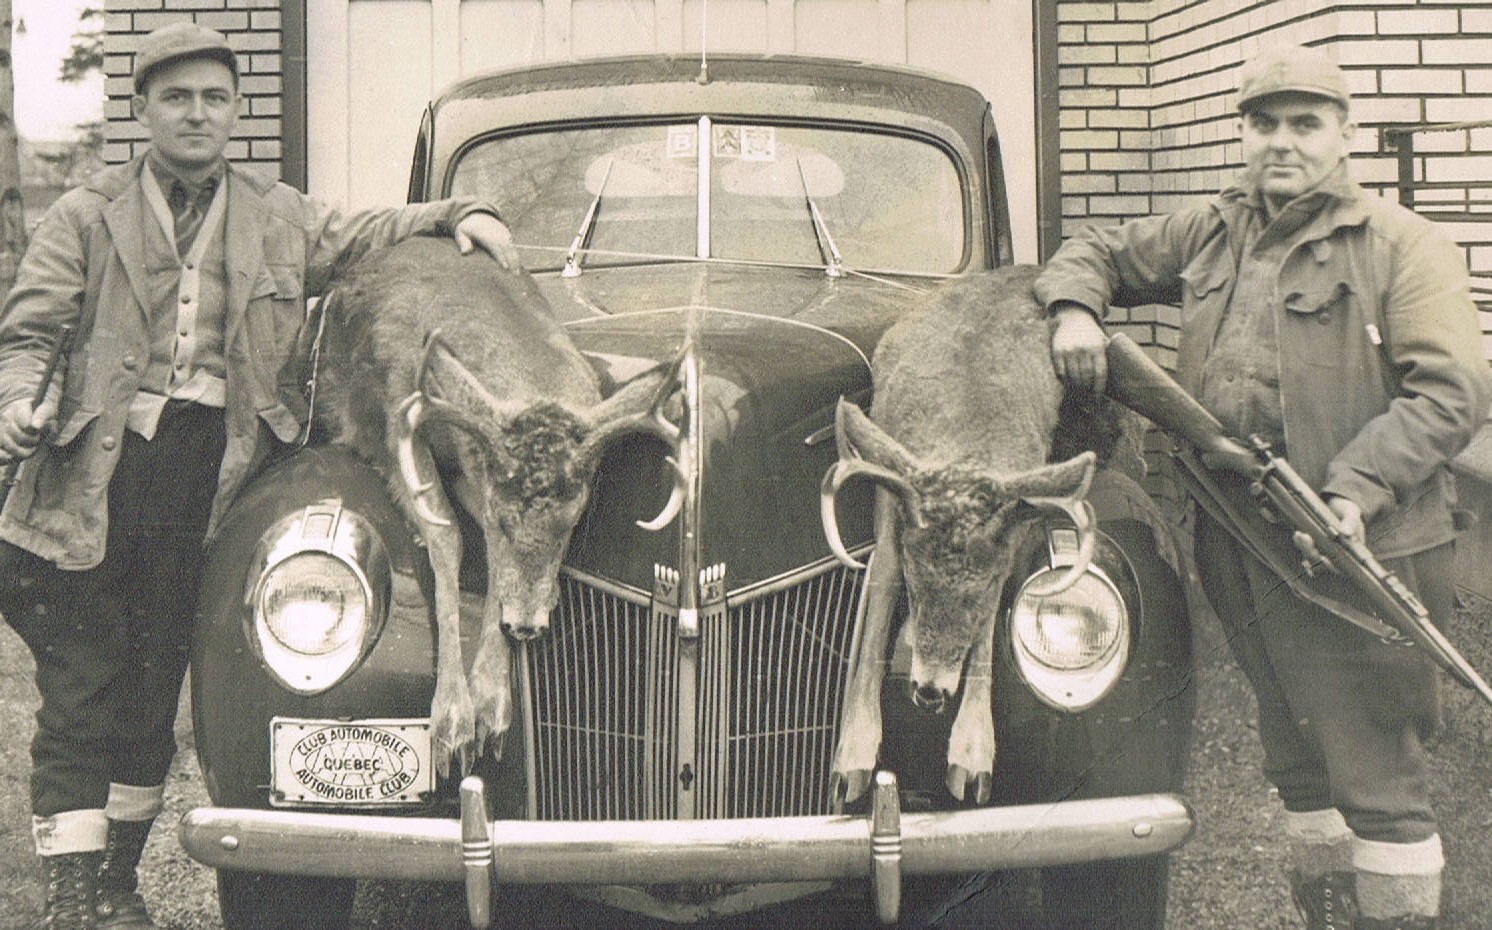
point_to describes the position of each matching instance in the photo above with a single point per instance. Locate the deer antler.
(1081, 514)
(850, 465)
(620, 415)
(834, 479)
(411, 413)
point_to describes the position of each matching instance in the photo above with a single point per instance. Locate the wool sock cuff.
(70, 832)
(1320, 842)
(1323, 826)
(1398, 879)
(1426, 857)
(135, 802)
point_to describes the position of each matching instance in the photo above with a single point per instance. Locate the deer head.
(527, 468)
(956, 539)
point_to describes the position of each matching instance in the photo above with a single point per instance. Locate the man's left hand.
(1349, 516)
(482, 230)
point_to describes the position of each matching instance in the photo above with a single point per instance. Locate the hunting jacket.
(1382, 376)
(86, 266)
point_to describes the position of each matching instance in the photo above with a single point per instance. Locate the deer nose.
(522, 634)
(929, 697)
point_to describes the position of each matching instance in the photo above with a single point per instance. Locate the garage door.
(373, 64)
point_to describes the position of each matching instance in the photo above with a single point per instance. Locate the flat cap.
(1291, 69)
(177, 41)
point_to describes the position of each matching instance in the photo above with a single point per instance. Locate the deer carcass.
(453, 376)
(958, 440)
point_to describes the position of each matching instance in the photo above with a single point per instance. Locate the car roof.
(737, 85)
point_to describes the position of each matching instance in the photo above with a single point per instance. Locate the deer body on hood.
(452, 375)
(966, 404)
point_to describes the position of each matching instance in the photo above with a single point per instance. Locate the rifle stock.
(1137, 382)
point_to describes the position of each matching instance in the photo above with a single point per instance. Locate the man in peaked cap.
(186, 279)
(1340, 327)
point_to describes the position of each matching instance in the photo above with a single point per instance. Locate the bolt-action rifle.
(60, 348)
(1277, 502)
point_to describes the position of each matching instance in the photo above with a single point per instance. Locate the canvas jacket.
(86, 266)
(1382, 377)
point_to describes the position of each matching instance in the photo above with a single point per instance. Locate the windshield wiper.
(583, 234)
(828, 251)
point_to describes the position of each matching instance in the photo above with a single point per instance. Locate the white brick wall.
(252, 28)
(1408, 63)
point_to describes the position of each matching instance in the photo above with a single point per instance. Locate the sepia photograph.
(834, 464)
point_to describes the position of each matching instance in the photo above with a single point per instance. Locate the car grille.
(607, 694)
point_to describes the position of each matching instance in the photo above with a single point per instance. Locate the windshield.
(786, 194)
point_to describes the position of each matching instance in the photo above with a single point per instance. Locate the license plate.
(354, 763)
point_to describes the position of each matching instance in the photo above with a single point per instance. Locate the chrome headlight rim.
(1083, 683)
(326, 530)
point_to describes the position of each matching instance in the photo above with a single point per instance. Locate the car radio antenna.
(704, 43)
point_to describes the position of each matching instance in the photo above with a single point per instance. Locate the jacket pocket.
(1316, 323)
(1202, 280)
(276, 313)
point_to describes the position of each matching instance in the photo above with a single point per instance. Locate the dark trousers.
(111, 642)
(1342, 715)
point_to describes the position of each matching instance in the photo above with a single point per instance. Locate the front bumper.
(883, 846)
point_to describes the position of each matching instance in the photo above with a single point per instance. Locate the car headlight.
(1070, 647)
(317, 595)
(313, 603)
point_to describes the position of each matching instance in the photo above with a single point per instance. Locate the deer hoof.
(452, 727)
(492, 726)
(848, 787)
(959, 780)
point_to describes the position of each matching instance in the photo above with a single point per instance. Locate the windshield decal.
(748, 143)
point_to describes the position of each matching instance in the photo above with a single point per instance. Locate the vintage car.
(675, 732)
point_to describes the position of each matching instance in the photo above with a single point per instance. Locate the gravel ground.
(1228, 877)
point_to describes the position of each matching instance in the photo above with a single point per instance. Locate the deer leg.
(490, 678)
(452, 715)
(491, 681)
(971, 743)
(860, 730)
(492, 670)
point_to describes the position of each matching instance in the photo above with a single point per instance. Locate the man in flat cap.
(186, 279)
(1340, 327)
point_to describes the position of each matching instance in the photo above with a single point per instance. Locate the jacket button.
(108, 443)
(130, 363)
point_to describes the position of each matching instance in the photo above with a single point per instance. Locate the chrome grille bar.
(606, 711)
(785, 656)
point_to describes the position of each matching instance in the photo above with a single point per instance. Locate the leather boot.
(1327, 902)
(1406, 922)
(119, 906)
(72, 884)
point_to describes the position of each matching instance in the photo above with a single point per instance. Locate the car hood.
(858, 308)
(770, 355)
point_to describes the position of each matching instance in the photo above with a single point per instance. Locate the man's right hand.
(1079, 347)
(22, 428)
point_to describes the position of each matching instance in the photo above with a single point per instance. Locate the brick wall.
(1147, 96)
(252, 28)
(1147, 120)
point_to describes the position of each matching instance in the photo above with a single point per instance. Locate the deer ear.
(1059, 480)
(858, 436)
(633, 398)
(635, 408)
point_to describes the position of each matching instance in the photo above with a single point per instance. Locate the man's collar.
(1335, 194)
(167, 177)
